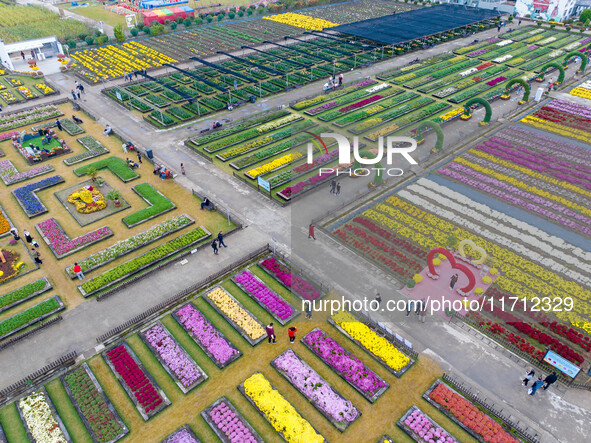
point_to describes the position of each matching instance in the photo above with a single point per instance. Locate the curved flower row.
(371, 341)
(279, 412)
(236, 312)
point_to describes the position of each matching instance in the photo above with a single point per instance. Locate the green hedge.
(24, 317)
(158, 203)
(114, 164)
(147, 258)
(21, 293)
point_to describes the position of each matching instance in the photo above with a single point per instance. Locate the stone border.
(341, 426)
(375, 357)
(281, 321)
(148, 265)
(185, 390)
(149, 206)
(56, 416)
(218, 432)
(102, 393)
(165, 401)
(34, 193)
(5, 215)
(240, 387)
(291, 291)
(73, 251)
(185, 427)
(371, 399)
(238, 329)
(198, 342)
(92, 268)
(60, 308)
(413, 434)
(28, 297)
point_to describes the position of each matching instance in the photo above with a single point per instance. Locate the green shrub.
(209, 19)
(241, 13)
(97, 33)
(167, 22)
(118, 31)
(71, 44)
(187, 23)
(82, 37)
(179, 20)
(134, 32)
(231, 15)
(173, 25)
(220, 17)
(140, 26)
(89, 40)
(198, 21)
(103, 39)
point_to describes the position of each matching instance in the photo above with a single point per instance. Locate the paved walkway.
(562, 414)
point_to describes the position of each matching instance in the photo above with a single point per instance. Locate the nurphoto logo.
(367, 157)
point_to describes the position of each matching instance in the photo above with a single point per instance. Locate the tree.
(187, 22)
(585, 15)
(179, 19)
(220, 17)
(140, 26)
(118, 31)
(89, 40)
(241, 13)
(173, 25)
(209, 19)
(231, 15)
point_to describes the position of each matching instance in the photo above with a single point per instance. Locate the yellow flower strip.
(557, 128)
(236, 313)
(520, 277)
(302, 21)
(280, 413)
(274, 164)
(525, 186)
(374, 343)
(581, 92)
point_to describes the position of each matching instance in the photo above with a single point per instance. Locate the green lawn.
(67, 411)
(97, 13)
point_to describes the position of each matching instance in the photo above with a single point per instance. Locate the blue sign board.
(561, 364)
(264, 184)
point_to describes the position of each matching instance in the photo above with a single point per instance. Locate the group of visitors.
(291, 333)
(77, 91)
(335, 187)
(333, 82)
(218, 242)
(418, 306)
(541, 382)
(30, 240)
(128, 76)
(160, 170)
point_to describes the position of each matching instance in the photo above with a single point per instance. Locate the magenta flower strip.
(345, 364)
(228, 424)
(338, 410)
(175, 360)
(62, 245)
(282, 273)
(217, 347)
(271, 302)
(10, 175)
(182, 435)
(422, 428)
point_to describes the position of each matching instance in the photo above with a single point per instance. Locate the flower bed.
(41, 420)
(30, 316)
(158, 205)
(93, 406)
(114, 164)
(271, 302)
(466, 415)
(44, 89)
(284, 418)
(282, 273)
(273, 165)
(61, 244)
(180, 113)
(21, 295)
(303, 168)
(27, 198)
(422, 68)
(332, 95)
(144, 392)
(71, 127)
(228, 424)
(291, 191)
(23, 118)
(434, 75)
(422, 428)
(345, 364)
(245, 323)
(10, 175)
(140, 263)
(94, 147)
(211, 341)
(175, 360)
(124, 247)
(329, 402)
(376, 345)
(182, 435)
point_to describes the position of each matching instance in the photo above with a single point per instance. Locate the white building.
(42, 48)
(557, 10)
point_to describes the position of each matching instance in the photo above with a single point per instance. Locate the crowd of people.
(31, 241)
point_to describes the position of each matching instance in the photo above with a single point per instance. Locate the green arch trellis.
(584, 58)
(521, 82)
(556, 65)
(479, 101)
(437, 128)
(379, 177)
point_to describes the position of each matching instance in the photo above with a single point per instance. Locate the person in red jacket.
(291, 332)
(311, 231)
(270, 333)
(78, 271)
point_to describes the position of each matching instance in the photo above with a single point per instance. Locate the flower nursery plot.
(21, 295)
(41, 419)
(228, 424)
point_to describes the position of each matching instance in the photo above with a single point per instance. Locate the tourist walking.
(23, 55)
(333, 185)
(78, 94)
(423, 311)
(453, 281)
(419, 306)
(379, 299)
(81, 88)
(528, 376)
(338, 188)
(311, 231)
(59, 124)
(552, 378)
(309, 311)
(270, 333)
(36, 256)
(341, 79)
(73, 94)
(35, 244)
(221, 240)
(139, 156)
(182, 169)
(78, 271)
(28, 236)
(291, 333)
(214, 246)
(537, 385)
(14, 233)
(409, 307)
